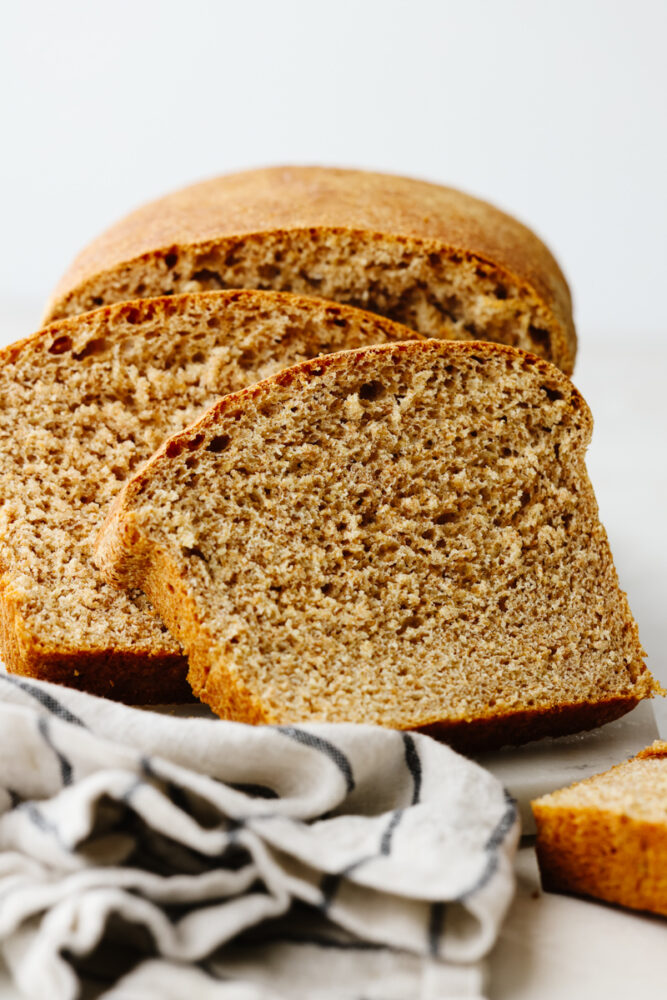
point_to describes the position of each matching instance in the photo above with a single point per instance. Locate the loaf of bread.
(82, 404)
(606, 836)
(403, 535)
(436, 259)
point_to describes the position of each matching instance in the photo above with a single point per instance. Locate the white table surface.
(554, 947)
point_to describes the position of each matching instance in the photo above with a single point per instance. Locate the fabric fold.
(139, 851)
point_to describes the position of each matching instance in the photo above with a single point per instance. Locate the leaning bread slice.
(403, 535)
(82, 404)
(606, 836)
(436, 259)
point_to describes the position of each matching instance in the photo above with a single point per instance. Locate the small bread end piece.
(606, 837)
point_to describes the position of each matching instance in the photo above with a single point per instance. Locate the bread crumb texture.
(83, 404)
(403, 535)
(436, 259)
(606, 837)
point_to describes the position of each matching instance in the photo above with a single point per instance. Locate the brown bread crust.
(139, 677)
(302, 204)
(606, 851)
(530, 724)
(129, 557)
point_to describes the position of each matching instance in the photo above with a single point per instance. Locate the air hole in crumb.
(170, 259)
(371, 390)
(247, 360)
(540, 337)
(198, 358)
(326, 588)
(194, 442)
(502, 604)
(445, 518)
(96, 346)
(552, 394)
(500, 292)
(60, 345)
(97, 300)
(557, 450)
(205, 274)
(195, 552)
(132, 315)
(219, 443)
(174, 449)
(414, 621)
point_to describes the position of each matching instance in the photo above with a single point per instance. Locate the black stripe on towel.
(435, 926)
(333, 752)
(135, 783)
(385, 842)
(505, 825)
(65, 766)
(496, 839)
(146, 777)
(414, 766)
(42, 823)
(46, 700)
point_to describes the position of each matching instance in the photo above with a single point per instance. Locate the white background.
(555, 111)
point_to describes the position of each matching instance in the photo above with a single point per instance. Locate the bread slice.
(82, 404)
(606, 836)
(403, 535)
(436, 259)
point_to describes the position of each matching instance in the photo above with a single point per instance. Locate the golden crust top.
(301, 198)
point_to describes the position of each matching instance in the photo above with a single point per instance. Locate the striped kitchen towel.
(146, 856)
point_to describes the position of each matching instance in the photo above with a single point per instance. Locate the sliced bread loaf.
(606, 836)
(436, 259)
(82, 404)
(403, 535)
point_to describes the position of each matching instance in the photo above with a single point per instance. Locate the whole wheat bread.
(436, 259)
(82, 404)
(403, 535)
(606, 836)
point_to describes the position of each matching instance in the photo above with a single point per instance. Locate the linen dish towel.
(144, 856)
